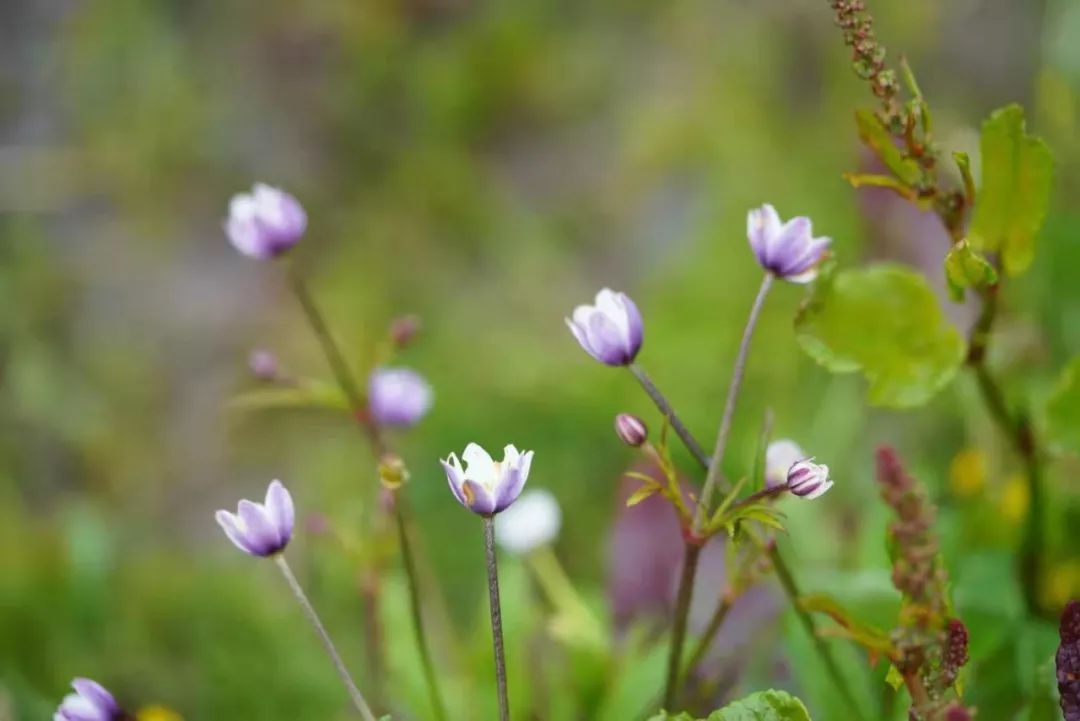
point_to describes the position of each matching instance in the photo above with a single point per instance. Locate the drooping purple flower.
(90, 702)
(261, 529)
(788, 250)
(631, 430)
(398, 397)
(265, 222)
(485, 486)
(610, 331)
(808, 480)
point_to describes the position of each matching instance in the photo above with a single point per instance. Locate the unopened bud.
(392, 471)
(403, 330)
(631, 430)
(264, 365)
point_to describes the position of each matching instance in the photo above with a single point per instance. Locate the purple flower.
(610, 331)
(485, 486)
(808, 480)
(788, 250)
(398, 396)
(265, 223)
(90, 702)
(261, 529)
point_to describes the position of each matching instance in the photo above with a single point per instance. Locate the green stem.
(496, 617)
(791, 589)
(335, 358)
(691, 554)
(437, 703)
(665, 408)
(707, 638)
(1017, 429)
(712, 476)
(313, 617)
(563, 597)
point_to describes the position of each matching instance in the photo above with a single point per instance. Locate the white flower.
(532, 522)
(780, 456)
(485, 486)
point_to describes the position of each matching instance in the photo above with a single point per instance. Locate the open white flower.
(532, 522)
(483, 485)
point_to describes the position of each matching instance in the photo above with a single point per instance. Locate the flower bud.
(393, 473)
(261, 529)
(631, 430)
(403, 330)
(264, 365)
(809, 480)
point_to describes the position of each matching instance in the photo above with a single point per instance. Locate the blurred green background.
(486, 166)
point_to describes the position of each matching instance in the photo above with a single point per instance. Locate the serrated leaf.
(306, 394)
(964, 268)
(885, 322)
(641, 494)
(1063, 410)
(1017, 172)
(761, 706)
(878, 138)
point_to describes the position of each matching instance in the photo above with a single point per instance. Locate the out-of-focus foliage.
(885, 322)
(487, 166)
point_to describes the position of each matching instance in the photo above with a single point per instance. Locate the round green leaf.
(885, 322)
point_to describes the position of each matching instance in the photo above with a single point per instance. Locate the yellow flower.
(967, 473)
(157, 713)
(1013, 504)
(1061, 584)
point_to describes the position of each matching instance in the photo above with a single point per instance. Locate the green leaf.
(641, 494)
(1017, 172)
(877, 136)
(894, 678)
(963, 163)
(964, 268)
(885, 322)
(864, 180)
(1063, 410)
(761, 706)
(873, 639)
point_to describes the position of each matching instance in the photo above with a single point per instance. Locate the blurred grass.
(487, 166)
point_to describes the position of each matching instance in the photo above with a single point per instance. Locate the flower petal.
(455, 477)
(235, 530)
(279, 508)
(478, 499)
(96, 694)
(262, 536)
(479, 466)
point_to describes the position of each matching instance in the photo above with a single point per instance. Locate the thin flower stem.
(791, 588)
(691, 554)
(331, 650)
(496, 617)
(1017, 429)
(437, 702)
(662, 404)
(334, 357)
(707, 638)
(712, 476)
